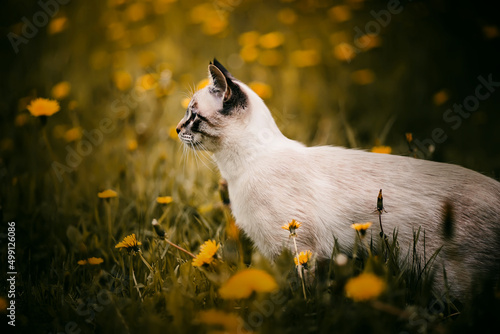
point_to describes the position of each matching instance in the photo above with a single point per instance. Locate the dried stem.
(299, 267)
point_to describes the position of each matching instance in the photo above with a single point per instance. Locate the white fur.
(273, 180)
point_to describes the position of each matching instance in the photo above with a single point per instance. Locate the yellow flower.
(122, 79)
(304, 257)
(43, 107)
(130, 243)
(409, 137)
(92, 261)
(207, 253)
(73, 134)
(185, 102)
(249, 38)
(292, 226)
(287, 16)
(61, 90)
(364, 287)
(202, 84)
(344, 52)
(245, 282)
(263, 90)
(3, 304)
(363, 77)
(164, 199)
(147, 81)
(108, 193)
(230, 322)
(382, 149)
(172, 133)
(95, 260)
(57, 25)
(361, 228)
(131, 145)
(249, 53)
(305, 58)
(271, 40)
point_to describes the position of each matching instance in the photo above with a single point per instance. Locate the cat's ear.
(219, 81)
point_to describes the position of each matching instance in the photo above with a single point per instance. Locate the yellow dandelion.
(363, 77)
(382, 149)
(164, 199)
(91, 261)
(21, 120)
(263, 90)
(230, 322)
(207, 253)
(344, 52)
(271, 40)
(292, 226)
(249, 38)
(249, 54)
(304, 257)
(361, 228)
(247, 281)
(440, 97)
(73, 134)
(147, 81)
(108, 193)
(61, 90)
(132, 145)
(43, 107)
(185, 102)
(340, 13)
(172, 133)
(3, 304)
(95, 260)
(130, 243)
(270, 58)
(305, 58)
(287, 16)
(364, 287)
(57, 25)
(202, 84)
(122, 80)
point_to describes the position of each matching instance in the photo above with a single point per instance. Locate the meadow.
(117, 227)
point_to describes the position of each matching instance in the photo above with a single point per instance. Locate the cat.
(273, 179)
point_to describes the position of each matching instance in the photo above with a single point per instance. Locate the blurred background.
(354, 73)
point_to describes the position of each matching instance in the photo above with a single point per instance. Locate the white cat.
(273, 179)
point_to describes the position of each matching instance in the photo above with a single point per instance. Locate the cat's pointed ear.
(219, 81)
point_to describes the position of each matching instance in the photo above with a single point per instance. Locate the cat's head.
(215, 111)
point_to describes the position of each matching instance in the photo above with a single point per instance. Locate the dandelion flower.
(92, 261)
(382, 149)
(95, 260)
(230, 322)
(247, 281)
(61, 90)
(130, 243)
(364, 287)
(361, 228)
(304, 257)
(292, 226)
(263, 90)
(108, 193)
(132, 145)
(43, 107)
(164, 199)
(207, 253)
